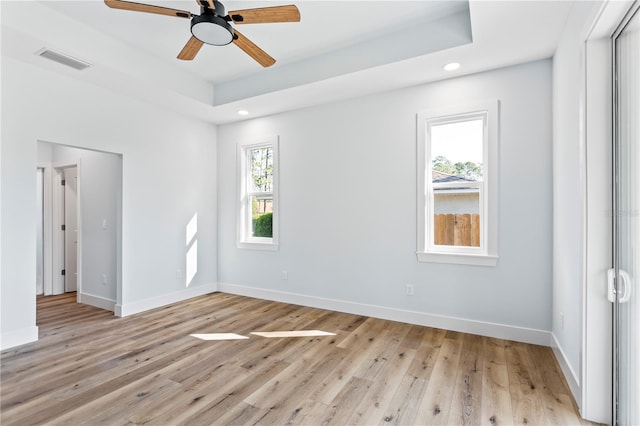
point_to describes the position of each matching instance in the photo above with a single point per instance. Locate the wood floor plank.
(359, 356)
(437, 400)
(308, 413)
(379, 358)
(371, 409)
(211, 396)
(365, 333)
(295, 378)
(427, 353)
(58, 376)
(40, 410)
(312, 413)
(525, 399)
(405, 404)
(218, 398)
(90, 367)
(559, 407)
(496, 398)
(241, 414)
(108, 409)
(467, 395)
(342, 405)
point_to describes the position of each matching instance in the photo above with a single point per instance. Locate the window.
(258, 210)
(457, 184)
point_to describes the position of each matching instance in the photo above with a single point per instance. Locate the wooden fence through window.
(457, 229)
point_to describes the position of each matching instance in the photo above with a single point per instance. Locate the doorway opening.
(79, 227)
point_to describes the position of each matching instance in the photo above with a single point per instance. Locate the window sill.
(460, 259)
(269, 246)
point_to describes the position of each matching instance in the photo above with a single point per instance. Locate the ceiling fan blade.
(140, 7)
(252, 50)
(191, 49)
(263, 15)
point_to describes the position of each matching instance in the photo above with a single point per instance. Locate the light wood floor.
(92, 368)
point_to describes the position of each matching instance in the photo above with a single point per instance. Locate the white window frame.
(244, 238)
(427, 251)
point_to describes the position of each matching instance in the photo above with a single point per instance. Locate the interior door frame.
(47, 255)
(57, 219)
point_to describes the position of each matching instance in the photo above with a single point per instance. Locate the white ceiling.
(339, 49)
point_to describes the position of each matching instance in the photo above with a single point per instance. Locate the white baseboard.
(10, 339)
(123, 310)
(569, 374)
(500, 331)
(97, 301)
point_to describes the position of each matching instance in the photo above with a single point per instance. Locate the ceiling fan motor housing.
(219, 9)
(211, 27)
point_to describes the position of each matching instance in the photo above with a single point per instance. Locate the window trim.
(244, 240)
(427, 251)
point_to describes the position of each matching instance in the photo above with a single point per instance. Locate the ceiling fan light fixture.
(211, 29)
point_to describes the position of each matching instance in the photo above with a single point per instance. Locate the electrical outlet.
(284, 275)
(104, 279)
(178, 274)
(409, 289)
(561, 321)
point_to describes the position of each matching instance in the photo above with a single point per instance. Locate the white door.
(627, 221)
(71, 229)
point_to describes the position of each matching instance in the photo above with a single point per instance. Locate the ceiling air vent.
(63, 59)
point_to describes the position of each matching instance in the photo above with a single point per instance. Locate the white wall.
(568, 193)
(339, 160)
(168, 172)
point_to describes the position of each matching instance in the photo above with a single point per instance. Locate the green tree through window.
(261, 160)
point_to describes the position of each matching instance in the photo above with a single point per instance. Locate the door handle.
(611, 289)
(625, 292)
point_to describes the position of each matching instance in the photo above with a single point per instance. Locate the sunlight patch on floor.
(218, 336)
(299, 333)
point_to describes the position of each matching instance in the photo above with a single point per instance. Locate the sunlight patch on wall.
(192, 228)
(192, 248)
(192, 262)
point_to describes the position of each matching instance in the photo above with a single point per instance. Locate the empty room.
(320, 212)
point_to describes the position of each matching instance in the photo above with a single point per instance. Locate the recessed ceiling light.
(452, 66)
(243, 112)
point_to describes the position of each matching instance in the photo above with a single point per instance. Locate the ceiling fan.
(213, 26)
